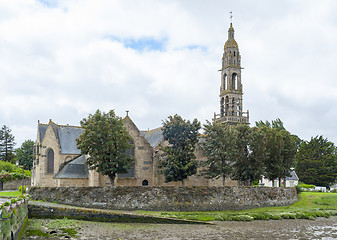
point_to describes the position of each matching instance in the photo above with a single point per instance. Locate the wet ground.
(321, 228)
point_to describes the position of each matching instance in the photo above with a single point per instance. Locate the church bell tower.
(231, 92)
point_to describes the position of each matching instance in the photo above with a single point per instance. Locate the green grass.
(309, 206)
(64, 222)
(42, 229)
(10, 194)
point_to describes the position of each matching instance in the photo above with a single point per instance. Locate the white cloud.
(65, 59)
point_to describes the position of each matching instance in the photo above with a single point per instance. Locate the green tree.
(288, 154)
(281, 150)
(106, 141)
(317, 162)
(24, 154)
(249, 153)
(217, 145)
(6, 144)
(178, 160)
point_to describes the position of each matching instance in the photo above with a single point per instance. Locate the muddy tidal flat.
(321, 228)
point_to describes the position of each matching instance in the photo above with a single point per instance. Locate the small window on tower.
(234, 53)
(225, 82)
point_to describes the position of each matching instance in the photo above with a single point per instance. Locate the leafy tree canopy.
(280, 149)
(218, 147)
(317, 162)
(276, 124)
(106, 141)
(24, 154)
(249, 154)
(178, 160)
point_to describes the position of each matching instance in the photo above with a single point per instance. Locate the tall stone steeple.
(231, 109)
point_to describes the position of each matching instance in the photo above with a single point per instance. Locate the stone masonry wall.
(167, 198)
(15, 184)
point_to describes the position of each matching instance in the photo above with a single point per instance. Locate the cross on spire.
(231, 16)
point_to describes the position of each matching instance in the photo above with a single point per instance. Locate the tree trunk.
(112, 179)
(183, 183)
(223, 180)
(279, 182)
(1, 186)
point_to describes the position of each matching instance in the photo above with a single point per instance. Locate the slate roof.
(77, 168)
(154, 137)
(66, 136)
(42, 130)
(293, 176)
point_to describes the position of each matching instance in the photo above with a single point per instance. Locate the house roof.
(154, 137)
(293, 176)
(66, 136)
(76, 168)
(42, 130)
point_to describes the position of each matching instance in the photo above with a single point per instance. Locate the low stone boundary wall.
(167, 198)
(15, 184)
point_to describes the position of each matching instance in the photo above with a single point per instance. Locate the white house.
(291, 181)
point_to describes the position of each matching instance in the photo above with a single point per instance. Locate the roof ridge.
(151, 130)
(67, 125)
(60, 125)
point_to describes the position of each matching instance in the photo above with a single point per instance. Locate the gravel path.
(321, 228)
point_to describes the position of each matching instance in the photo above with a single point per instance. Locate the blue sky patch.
(191, 47)
(146, 44)
(141, 44)
(49, 3)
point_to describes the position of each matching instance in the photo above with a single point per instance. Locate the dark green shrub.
(298, 189)
(307, 186)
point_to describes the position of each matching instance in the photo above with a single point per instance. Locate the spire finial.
(127, 113)
(231, 17)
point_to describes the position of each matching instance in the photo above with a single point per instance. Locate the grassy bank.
(309, 206)
(10, 194)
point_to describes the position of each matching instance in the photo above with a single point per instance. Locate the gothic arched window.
(50, 161)
(131, 170)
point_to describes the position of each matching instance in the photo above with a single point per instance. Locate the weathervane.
(231, 16)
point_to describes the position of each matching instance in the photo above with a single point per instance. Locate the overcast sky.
(62, 60)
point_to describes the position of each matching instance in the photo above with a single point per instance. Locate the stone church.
(58, 162)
